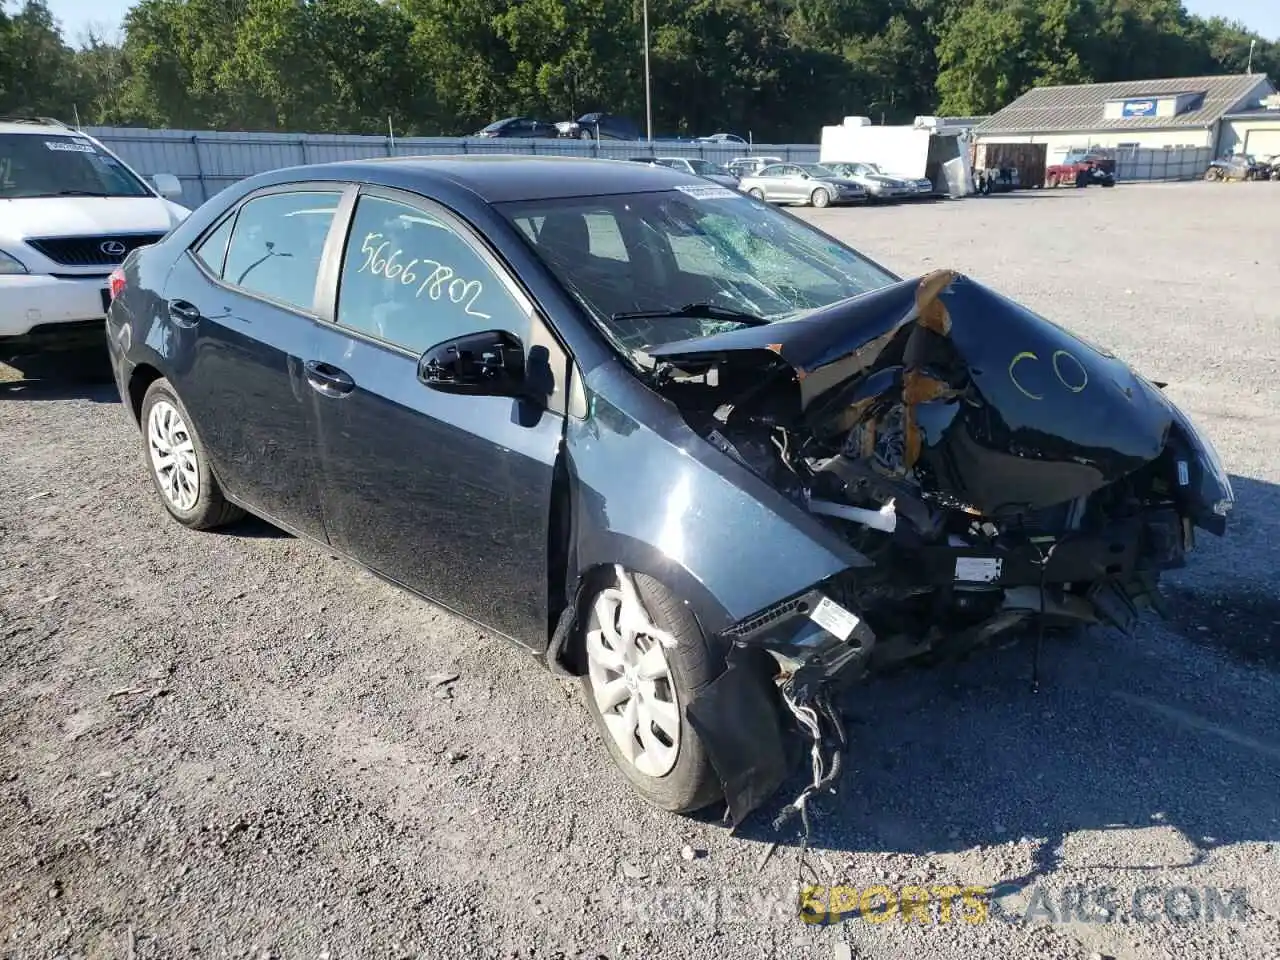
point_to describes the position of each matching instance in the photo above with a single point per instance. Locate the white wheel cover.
(173, 455)
(631, 680)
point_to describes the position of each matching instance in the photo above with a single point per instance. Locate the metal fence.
(208, 161)
(1172, 163)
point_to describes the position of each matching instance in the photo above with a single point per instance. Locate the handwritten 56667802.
(438, 280)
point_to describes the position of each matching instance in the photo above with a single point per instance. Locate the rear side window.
(277, 243)
(212, 250)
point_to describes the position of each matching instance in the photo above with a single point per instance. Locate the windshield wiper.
(695, 311)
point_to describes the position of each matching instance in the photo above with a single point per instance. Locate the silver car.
(810, 183)
(700, 168)
(747, 166)
(883, 186)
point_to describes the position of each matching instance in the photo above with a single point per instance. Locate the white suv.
(70, 211)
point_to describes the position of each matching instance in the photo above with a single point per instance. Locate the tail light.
(115, 282)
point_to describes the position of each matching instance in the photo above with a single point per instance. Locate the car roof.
(495, 178)
(41, 126)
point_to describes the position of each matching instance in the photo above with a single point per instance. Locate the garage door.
(1262, 143)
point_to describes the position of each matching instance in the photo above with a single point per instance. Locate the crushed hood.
(1002, 409)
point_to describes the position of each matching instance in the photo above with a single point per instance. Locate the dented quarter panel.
(654, 496)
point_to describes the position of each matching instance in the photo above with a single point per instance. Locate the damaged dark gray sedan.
(670, 439)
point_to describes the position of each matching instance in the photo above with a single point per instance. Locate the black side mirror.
(488, 364)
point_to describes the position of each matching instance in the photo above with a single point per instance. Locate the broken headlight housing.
(1203, 480)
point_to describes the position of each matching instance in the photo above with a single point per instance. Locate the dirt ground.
(237, 745)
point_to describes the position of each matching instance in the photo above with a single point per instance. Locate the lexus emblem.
(112, 248)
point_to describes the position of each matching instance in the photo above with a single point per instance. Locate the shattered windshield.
(50, 165)
(657, 253)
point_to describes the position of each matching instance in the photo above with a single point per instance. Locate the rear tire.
(820, 198)
(1052, 182)
(637, 690)
(178, 463)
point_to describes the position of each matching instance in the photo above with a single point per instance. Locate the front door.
(448, 495)
(241, 319)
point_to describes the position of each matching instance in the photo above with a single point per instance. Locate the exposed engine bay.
(996, 471)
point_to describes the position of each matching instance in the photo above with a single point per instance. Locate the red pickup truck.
(1079, 168)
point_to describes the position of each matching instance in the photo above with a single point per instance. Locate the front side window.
(51, 165)
(411, 279)
(704, 244)
(277, 243)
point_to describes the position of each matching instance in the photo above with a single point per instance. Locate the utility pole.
(1249, 69)
(648, 102)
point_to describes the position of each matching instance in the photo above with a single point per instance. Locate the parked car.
(600, 126)
(519, 127)
(997, 180)
(1239, 166)
(721, 138)
(502, 384)
(880, 185)
(696, 166)
(809, 183)
(70, 211)
(1081, 168)
(745, 166)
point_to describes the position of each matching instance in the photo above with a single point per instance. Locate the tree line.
(776, 69)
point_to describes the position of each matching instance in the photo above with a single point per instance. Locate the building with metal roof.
(1189, 120)
(1255, 131)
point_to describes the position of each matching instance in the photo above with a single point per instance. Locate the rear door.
(241, 319)
(448, 495)
(790, 183)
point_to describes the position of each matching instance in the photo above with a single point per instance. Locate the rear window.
(277, 243)
(55, 165)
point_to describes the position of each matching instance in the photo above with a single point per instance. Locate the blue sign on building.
(1138, 108)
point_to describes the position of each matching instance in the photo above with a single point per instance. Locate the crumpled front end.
(996, 470)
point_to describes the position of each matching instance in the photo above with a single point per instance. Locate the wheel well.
(143, 376)
(566, 585)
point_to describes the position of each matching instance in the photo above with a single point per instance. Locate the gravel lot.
(235, 745)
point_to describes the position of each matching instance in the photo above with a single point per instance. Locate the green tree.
(325, 65)
(987, 56)
(37, 69)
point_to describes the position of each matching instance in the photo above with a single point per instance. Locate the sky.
(78, 15)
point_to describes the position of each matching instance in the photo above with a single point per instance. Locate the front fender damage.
(784, 666)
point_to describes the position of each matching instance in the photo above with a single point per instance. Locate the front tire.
(179, 464)
(638, 688)
(820, 198)
(757, 193)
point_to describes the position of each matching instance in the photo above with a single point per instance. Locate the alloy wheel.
(631, 680)
(173, 455)
(820, 198)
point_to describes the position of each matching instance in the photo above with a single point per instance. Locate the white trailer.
(933, 147)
